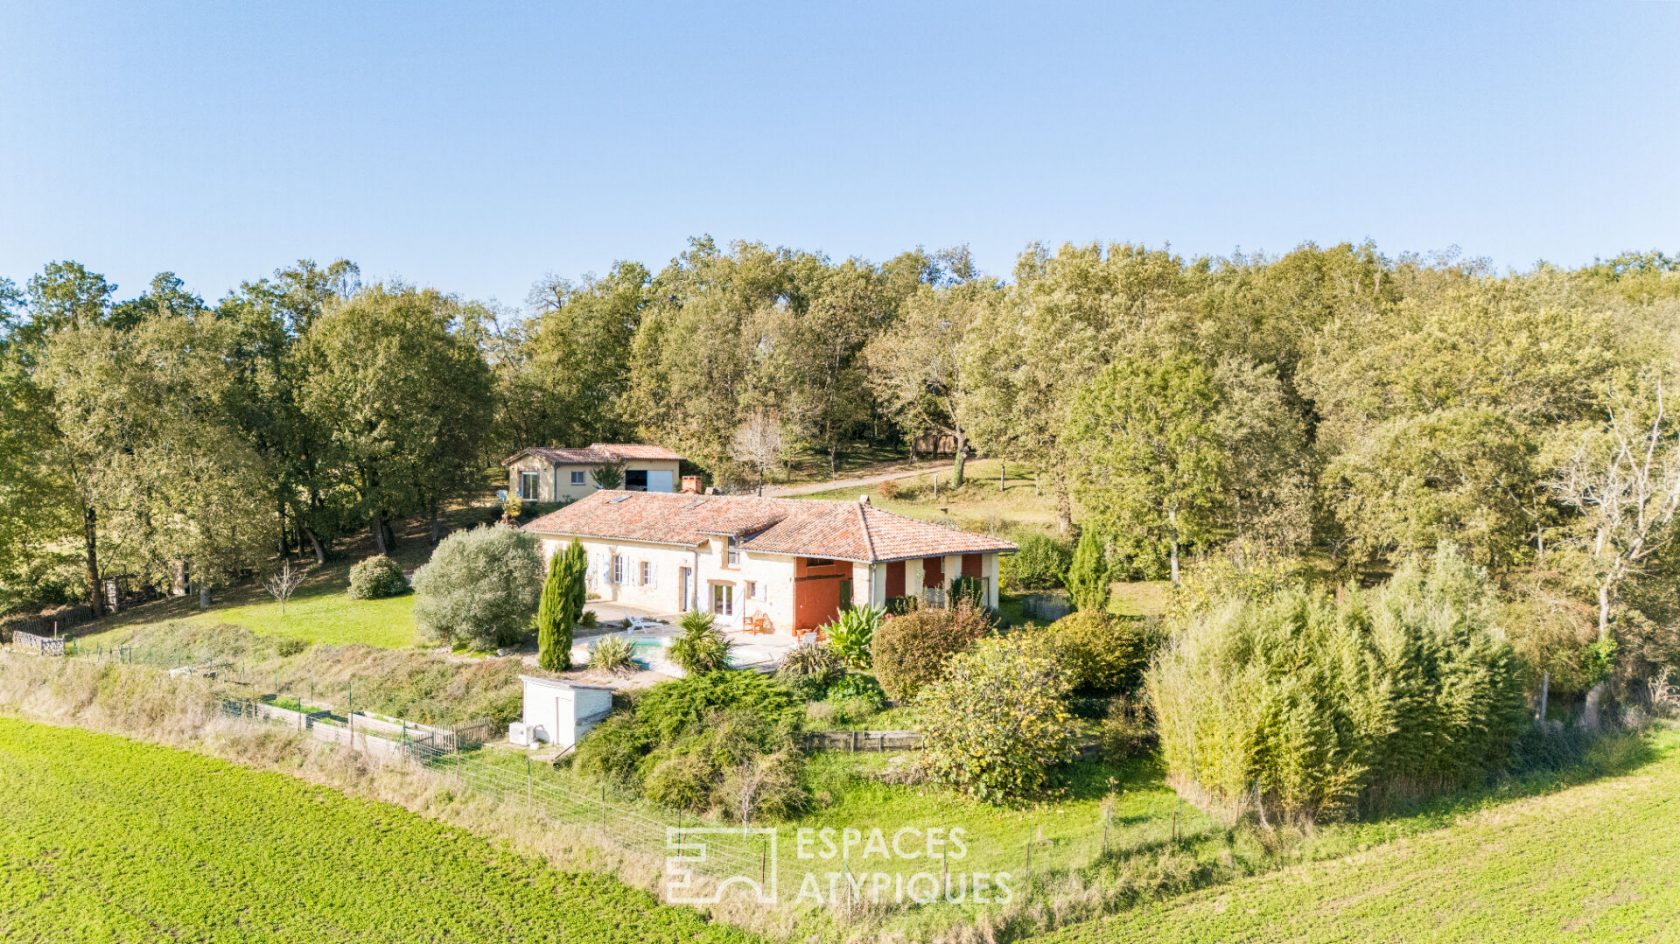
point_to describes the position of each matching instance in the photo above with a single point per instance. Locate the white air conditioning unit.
(517, 735)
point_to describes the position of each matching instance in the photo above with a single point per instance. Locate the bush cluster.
(1126, 729)
(614, 654)
(850, 700)
(376, 578)
(1090, 574)
(858, 688)
(1104, 654)
(1039, 563)
(1303, 705)
(911, 650)
(723, 743)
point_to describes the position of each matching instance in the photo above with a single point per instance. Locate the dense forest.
(1332, 404)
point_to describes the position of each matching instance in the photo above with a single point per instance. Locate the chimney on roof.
(691, 485)
(863, 499)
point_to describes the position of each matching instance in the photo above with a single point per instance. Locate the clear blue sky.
(476, 146)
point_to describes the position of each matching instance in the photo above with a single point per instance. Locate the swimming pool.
(648, 650)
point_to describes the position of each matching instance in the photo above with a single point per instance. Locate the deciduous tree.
(404, 398)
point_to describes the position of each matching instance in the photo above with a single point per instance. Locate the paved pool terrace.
(750, 650)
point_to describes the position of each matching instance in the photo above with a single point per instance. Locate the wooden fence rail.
(856, 741)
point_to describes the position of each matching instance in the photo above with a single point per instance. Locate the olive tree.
(480, 588)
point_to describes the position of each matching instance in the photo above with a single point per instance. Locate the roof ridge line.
(868, 539)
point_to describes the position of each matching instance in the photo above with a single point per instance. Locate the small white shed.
(559, 712)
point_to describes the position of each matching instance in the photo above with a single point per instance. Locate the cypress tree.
(1089, 575)
(554, 631)
(576, 589)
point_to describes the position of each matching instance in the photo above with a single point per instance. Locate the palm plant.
(702, 647)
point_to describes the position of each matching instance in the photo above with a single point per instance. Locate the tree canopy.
(1333, 401)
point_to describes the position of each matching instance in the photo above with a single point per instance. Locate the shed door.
(933, 571)
(660, 481)
(895, 580)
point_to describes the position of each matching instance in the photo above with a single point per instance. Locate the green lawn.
(320, 611)
(1064, 831)
(327, 615)
(1599, 861)
(1140, 597)
(115, 841)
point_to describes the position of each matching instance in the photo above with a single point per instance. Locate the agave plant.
(702, 647)
(613, 654)
(852, 634)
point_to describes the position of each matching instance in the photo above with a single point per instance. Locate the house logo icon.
(703, 864)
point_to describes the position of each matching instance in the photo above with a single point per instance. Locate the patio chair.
(638, 624)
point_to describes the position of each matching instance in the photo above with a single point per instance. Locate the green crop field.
(106, 839)
(1596, 862)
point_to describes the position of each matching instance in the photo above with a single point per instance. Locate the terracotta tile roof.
(595, 453)
(622, 451)
(895, 537)
(840, 530)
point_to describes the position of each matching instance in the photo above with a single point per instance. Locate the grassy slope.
(320, 611)
(1065, 831)
(978, 504)
(861, 459)
(1599, 862)
(329, 616)
(112, 840)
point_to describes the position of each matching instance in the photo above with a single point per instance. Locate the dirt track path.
(812, 488)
